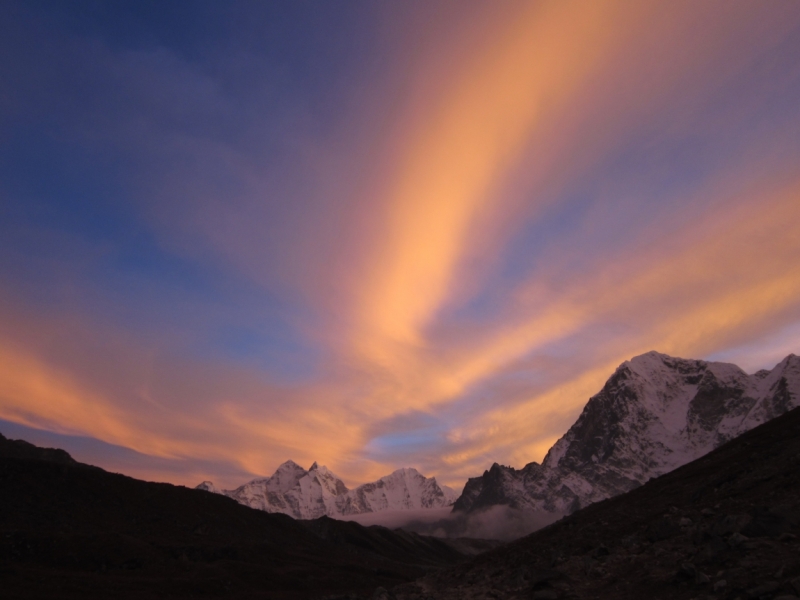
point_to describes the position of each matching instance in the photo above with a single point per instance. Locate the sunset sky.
(381, 234)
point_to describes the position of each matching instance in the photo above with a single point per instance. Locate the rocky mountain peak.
(655, 413)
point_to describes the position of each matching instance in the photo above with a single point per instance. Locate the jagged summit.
(208, 486)
(404, 489)
(654, 414)
(319, 492)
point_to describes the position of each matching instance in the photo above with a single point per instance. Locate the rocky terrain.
(723, 527)
(653, 415)
(69, 530)
(302, 494)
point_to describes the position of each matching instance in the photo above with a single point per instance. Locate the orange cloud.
(456, 153)
(546, 94)
(513, 106)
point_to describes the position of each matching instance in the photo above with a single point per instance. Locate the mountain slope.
(724, 526)
(653, 415)
(302, 494)
(69, 530)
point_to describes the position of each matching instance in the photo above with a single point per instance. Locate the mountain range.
(74, 531)
(724, 526)
(317, 492)
(654, 414)
(720, 523)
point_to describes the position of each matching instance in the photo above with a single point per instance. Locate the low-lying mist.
(495, 523)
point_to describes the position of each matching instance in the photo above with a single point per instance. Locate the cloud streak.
(458, 255)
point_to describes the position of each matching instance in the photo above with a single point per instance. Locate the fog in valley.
(496, 523)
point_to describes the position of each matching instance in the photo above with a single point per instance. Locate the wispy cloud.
(458, 247)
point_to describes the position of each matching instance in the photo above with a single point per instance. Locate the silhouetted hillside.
(69, 530)
(724, 526)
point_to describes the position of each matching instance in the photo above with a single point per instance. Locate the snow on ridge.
(654, 414)
(319, 492)
(208, 487)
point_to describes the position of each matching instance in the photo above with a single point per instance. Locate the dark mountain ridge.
(724, 526)
(69, 530)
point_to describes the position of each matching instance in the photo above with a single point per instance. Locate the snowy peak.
(208, 487)
(405, 489)
(327, 481)
(781, 390)
(310, 494)
(654, 414)
(293, 491)
(285, 477)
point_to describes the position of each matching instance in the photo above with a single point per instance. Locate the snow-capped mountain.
(208, 487)
(310, 494)
(653, 415)
(404, 489)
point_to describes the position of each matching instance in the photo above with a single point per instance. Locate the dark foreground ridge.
(724, 527)
(69, 530)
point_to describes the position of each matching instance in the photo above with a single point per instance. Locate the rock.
(719, 585)
(685, 522)
(795, 583)
(708, 512)
(727, 524)
(662, 529)
(588, 563)
(786, 598)
(543, 575)
(736, 540)
(713, 551)
(518, 579)
(763, 589)
(382, 594)
(701, 578)
(766, 523)
(687, 570)
(545, 595)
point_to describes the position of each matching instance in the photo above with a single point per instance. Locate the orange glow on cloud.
(36, 395)
(462, 148)
(543, 95)
(684, 303)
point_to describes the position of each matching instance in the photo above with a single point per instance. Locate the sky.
(381, 234)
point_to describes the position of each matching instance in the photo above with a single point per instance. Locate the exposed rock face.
(653, 415)
(318, 492)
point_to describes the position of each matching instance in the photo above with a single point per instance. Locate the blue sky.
(379, 235)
